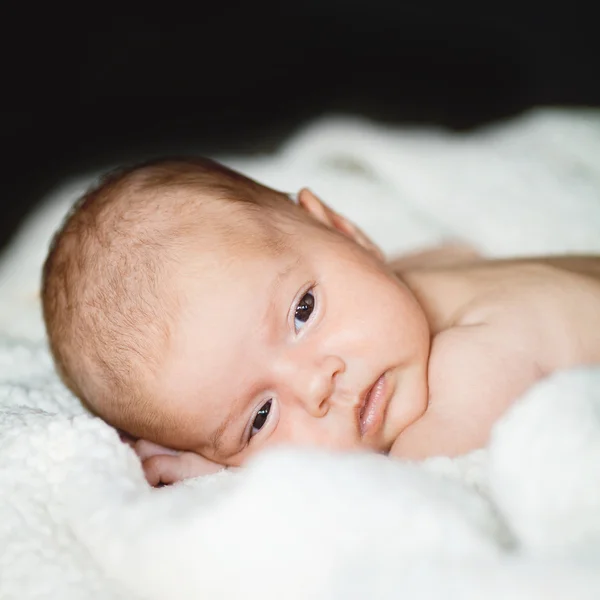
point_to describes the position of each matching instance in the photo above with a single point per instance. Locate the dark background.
(95, 85)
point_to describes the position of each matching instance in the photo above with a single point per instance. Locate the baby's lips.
(370, 413)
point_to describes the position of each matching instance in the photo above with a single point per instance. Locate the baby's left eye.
(261, 418)
(303, 310)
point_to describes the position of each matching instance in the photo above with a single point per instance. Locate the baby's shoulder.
(534, 305)
(543, 314)
(511, 292)
(502, 324)
(494, 341)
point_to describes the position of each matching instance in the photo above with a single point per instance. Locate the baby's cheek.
(337, 430)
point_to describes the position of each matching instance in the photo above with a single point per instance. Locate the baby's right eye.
(261, 418)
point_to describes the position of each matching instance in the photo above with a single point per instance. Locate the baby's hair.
(105, 296)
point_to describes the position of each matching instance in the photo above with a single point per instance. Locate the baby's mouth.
(370, 413)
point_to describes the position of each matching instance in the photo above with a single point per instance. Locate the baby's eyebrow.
(284, 272)
(216, 439)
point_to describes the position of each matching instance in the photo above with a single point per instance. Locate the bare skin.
(495, 328)
(499, 326)
(163, 466)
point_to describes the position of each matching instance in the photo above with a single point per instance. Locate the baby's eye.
(261, 418)
(304, 310)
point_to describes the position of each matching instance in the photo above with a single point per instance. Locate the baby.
(209, 317)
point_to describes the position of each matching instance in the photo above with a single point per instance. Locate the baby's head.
(191, 306)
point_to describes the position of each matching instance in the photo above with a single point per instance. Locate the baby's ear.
(319, 211)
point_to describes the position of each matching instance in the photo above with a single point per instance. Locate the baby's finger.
(145, 449)
(167, 469)
(194, 465)
(160, 468)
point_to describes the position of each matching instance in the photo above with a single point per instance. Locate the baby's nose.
(315, 384)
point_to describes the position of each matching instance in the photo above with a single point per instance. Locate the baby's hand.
(164, 466)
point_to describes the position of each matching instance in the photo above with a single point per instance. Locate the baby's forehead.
(228, 229)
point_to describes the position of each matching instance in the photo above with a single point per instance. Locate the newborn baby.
(208, 317)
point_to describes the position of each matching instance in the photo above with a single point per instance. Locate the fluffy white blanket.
(518, 519)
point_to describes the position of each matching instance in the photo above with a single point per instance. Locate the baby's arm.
(476, 372)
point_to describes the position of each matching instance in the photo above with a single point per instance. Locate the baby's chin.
(402, 421)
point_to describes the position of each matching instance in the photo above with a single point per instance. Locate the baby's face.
(319, 345)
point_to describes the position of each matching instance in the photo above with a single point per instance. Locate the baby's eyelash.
(304, 309)
(260, 418)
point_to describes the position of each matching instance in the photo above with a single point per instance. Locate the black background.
(87, 87)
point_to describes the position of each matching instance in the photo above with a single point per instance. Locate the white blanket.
(520, 518)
